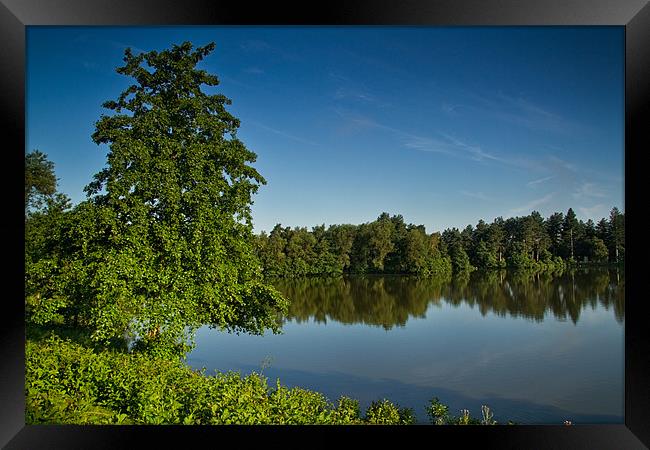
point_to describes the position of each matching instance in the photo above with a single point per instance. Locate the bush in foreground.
(69, 383)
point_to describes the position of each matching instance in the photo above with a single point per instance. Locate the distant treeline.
(389, 245)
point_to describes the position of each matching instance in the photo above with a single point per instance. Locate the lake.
(536, 349)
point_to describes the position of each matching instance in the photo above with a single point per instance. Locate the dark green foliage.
(297, 252)
(570, 235)
(456, 244)
(384, 412)
(596, 249)
(518, 258)
(484, 257)
(40, 181)
(389, 245)
(386, 245)
(554, 231)
(68, 383)
(459, 259)
(46, 210)
(164, 242)
(437, 412)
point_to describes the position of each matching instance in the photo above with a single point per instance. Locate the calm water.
(536, 349)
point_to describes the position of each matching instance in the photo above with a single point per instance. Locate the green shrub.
(68, 383)
(437, 412)
(439, 415)
(384, 412)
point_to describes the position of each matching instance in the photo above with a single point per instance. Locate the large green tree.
(164, 242)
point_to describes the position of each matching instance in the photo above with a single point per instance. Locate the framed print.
(357, 213)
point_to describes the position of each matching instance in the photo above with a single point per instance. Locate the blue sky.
(444, 125)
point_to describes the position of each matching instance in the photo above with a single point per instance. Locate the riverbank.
(68, 382)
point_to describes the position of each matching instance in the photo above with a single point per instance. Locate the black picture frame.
(634, 15)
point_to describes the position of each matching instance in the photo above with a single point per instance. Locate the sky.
(443, 125)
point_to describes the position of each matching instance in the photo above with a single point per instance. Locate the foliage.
(615, 236)
(45, 310)
(70, 383)
(388, 245)
(45, 211)
(383, 412)
(40, 181)
(439, 415)
(437, 412)
(164, 242)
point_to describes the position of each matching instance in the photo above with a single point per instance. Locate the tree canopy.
(164, 242)
(389, 245)
(40, 180)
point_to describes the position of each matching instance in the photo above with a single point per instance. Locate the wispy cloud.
(590, 190)
(427, 145)
(562, 164)
(261, 46)
(347, 89)
(443, 143)
(282, 133)
(528, 207)
(527, 106)
(456, 147)
(476, 195)
(539, 181)
(356, 94)
(521, 111)
(563, 173)
(595, 211)
(451, 109)
(338, 76)
(254, 70)
(474, 152)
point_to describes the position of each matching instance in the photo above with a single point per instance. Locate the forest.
(389, 245)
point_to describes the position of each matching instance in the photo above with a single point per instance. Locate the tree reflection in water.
(390, 301)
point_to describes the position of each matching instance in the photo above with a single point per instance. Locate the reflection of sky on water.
(528, 371)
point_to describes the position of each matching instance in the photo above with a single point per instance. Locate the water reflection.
(390, 301)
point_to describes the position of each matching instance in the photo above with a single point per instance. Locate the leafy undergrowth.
(70, 383)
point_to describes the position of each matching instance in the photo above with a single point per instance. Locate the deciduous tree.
(164, 242)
